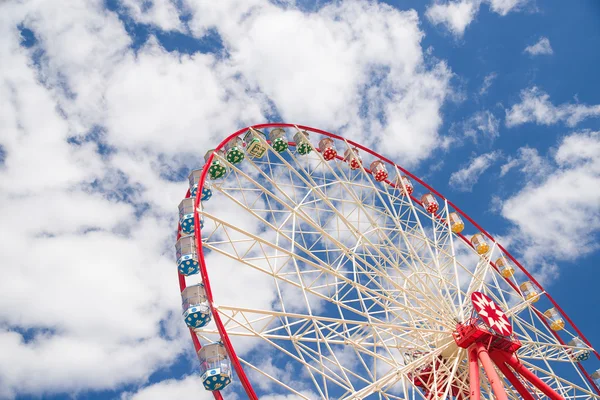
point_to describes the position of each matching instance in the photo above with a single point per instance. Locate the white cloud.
(457, 15)
(559, 216)
(540, 48)
(200, 90)
(65, 363)
(161, 13)
(186, 388)
(481, 124)
(535, 106)
(503, 7)
(529, 162)
(487, 83)
(464, 179)
(320, 69)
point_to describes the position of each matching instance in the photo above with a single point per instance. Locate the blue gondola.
(215, 366)
(196, 311)
(187, 258)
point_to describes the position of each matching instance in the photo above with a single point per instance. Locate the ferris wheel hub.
(488, 324)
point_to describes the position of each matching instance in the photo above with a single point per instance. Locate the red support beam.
(475, 390)
(519, 368)
(513, 379)
(490, 371)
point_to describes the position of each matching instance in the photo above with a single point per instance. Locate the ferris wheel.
(313, 267)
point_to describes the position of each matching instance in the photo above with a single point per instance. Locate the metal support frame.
(514, 380)
(475, 390)
(518, 367)
(490, 371)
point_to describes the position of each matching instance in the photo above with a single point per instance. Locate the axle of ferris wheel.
(488, 337)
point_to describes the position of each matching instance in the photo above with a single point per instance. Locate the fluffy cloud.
(174, 96)
(96, 138)
(163, 14)
(558, 217)
(457, 15)
(353, 67)
(464, 179)
(487, 83)
(529, 162)
(503, 7)
(540, 48)
(535, 106)
(185, 388)
(481, 124)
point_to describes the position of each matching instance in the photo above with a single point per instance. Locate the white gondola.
(529, 292)
(505, 267)
(555, 320)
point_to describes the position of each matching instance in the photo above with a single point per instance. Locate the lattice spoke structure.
(352, 289)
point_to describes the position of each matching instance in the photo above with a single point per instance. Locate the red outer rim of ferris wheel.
(206, 281)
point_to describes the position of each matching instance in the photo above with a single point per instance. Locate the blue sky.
(109, 104)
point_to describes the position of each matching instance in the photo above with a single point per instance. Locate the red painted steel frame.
(519, 368)
(204, 273)
(512, 378)
(490, 371)
(474, 387)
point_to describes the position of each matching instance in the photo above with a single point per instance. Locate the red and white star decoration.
(491, 313)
